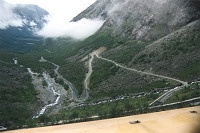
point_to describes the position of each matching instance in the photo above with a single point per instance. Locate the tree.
(73, 116)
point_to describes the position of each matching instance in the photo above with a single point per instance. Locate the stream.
(53, 86)
(73, 90)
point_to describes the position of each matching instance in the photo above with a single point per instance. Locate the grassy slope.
(176, 55)
(189, 92)
(72, 68)
(18, 99)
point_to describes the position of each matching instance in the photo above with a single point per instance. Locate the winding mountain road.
(163, 97)
(142, 72)
(73, 90)
(88, 75)
(96, 53)
(71, 87)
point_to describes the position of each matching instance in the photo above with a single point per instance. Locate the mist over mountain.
(77, 30)
(18, 26)
(8, 18)
(31, 21)
(32, 16)
(141, 19)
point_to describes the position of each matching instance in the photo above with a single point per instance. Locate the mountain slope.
(18, 97)
(173, 54)
(143, 19)
(162, 38)
(23, 38)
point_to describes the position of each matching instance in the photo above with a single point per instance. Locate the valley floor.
(185, 120)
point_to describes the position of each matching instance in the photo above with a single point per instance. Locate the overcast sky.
(62, 11)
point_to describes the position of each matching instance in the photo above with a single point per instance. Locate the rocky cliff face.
(143, 19)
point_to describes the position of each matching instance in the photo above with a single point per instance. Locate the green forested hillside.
(18, 99)
(146, 53)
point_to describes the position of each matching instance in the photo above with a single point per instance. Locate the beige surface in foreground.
(174, 121)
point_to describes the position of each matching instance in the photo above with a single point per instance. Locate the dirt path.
(73, 90)
(142, 72)
(162, 98)
(71, 87)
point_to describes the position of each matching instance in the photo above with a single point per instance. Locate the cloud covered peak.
(8, 17)
(41, 23)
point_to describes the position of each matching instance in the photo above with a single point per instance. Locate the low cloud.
(77, 30)
(7, 17)
(56, 26)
